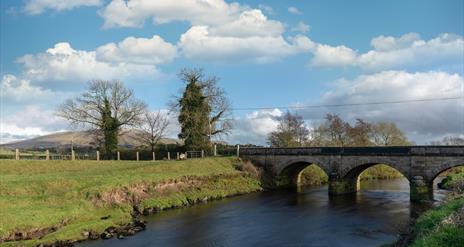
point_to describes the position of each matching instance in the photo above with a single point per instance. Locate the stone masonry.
(419, 164)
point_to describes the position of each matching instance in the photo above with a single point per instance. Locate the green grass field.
(75, 195)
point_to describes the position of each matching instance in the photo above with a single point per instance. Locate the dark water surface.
(373, 217)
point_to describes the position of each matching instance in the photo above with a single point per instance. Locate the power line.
(345, 105)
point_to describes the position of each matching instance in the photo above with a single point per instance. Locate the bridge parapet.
(356, 151)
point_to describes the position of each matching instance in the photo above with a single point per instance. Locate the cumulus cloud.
(219, 31)
(199, 43)
(63, 63)
(133, 13)
(294, 10)
(35, 7)
(249, 23)
(389, 52)
(138, 51)
(28, 122)
(423, 121)
(325, 55)
(15, 90)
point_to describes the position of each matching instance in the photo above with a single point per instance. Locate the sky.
(267, 54)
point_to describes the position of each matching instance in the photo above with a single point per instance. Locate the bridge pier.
(342, 186)
(420, 190)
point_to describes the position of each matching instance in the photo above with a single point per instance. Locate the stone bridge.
(419, 164)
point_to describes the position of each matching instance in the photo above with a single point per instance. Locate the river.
(373, 217)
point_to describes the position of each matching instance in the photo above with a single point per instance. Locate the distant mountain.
(79, 139)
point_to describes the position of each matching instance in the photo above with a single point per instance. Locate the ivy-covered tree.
(194, 112)
(105, 108)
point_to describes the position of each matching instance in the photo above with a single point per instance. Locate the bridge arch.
(355, 171)
(442, 167)
(289, 174)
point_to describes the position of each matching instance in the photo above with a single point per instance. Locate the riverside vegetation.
(45, 202)
(444, 225)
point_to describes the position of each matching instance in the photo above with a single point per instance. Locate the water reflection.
(372, 217)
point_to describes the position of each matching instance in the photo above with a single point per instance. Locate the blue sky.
(267, 53)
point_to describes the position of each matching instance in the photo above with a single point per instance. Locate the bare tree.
(153, 128)
(449, 141)
(388, 134)
(332, 132)
(291, 132)
(104, 108)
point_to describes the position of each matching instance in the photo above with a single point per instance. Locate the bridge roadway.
(419, 164)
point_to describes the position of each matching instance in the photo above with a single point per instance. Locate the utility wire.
(346, 104)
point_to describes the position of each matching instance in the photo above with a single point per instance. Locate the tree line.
(292, 131)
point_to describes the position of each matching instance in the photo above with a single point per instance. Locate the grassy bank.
(63, 199)
(454, 182)
(443, 226)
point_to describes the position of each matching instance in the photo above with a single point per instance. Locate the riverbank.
(441, 226)
(44, 202)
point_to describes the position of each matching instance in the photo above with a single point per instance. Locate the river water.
(373, 217)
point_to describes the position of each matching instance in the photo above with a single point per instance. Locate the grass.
(41, 194)
(313, 175)
(380, 171)
(442, 226)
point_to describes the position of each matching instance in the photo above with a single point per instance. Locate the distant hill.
(79, 139)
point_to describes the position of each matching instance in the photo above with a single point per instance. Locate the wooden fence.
(161, 155)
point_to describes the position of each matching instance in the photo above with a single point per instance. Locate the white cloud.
(138, 51)
(199, 43)
(301, 27)
(35, 7)
(63, 63)
(28, 122)
(325, 55)
(249, 23)
(294, 10)
(395, 53)
(423, 121)
(20, 90)
(254, 127)
(133, 13)
(219, 32)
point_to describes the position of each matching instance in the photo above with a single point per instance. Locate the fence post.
(98, 155)
(215, 150)
(178, 157)
(202, 153)
(17, 154)
(238, 150)
(47, 155)
(169, 156)
(154, 158)
(73, 155)
(137, 153)
(119, 155)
